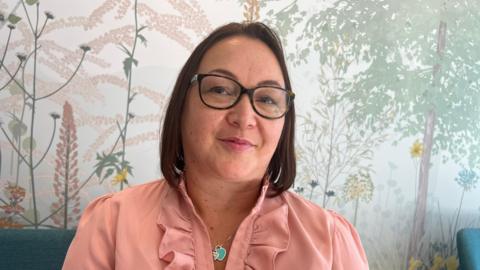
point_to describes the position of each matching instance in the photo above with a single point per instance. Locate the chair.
(468, 245)
(33, 249)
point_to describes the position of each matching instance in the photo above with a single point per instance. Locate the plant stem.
(28, 17)
(6, 47)
(12, 77)
(25, 65)
(15, 81)
(356, 212)
(49, 144)
(0, 161)
(43, 27)
(127, 112)
(22, 115)
(456, 221)
(13, 145)
(330, 156)
(32, 125)
(311, 193)
(67, 82)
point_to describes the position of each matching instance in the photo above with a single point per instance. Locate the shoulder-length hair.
(282, 168)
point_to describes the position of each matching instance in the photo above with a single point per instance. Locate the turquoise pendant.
(219, 253)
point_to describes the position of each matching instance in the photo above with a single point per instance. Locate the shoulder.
(102, 222)
(308, 211)
(143, 192)
(132, 199)
(324, 225)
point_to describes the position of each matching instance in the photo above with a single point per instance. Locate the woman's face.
(234, 144)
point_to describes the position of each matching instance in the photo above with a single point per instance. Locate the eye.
(266, 100)
(220, 90)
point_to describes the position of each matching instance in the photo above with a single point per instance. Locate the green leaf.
(109, 162)
(31, 2)
(127, 65)
(143, 40)
(125, 50)
(28, 143)
(17, 128)
(13, 19)
(141, 28)
(108, 173)
(14, 89)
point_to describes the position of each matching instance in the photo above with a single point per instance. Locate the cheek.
(201, 126)
(273, 134)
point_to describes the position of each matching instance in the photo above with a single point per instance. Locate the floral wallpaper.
(388, 109)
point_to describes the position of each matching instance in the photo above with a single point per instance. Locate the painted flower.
(21, 56)
(467, 179)
(451, 263)
(438, 263)
(6, 223)
(13, 209)
(330, 193)
(358, 186)
(85, 48)
(14, 193)
(417, 149)
(414, 264)
(313, 183)
(49, 15)
(299, 190)
(54, 115)
(120, 177)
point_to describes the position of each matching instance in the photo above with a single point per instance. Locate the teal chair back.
(33, 249)
(468, 246)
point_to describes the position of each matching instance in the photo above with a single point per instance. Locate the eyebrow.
(231, 75)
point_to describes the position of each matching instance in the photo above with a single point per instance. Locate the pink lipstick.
(237, 144)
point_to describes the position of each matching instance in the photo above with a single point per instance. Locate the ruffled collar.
(262, 235)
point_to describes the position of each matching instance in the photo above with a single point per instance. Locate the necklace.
(219, 252)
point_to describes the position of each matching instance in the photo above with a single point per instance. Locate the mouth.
(237, 144)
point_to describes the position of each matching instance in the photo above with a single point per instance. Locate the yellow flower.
(417, 149)
(120, 177)
(451, 263)
(414, 264)
(438, 263)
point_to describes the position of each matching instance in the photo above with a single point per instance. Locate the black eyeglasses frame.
(198, 77)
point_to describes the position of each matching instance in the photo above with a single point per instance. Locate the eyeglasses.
(221, 92)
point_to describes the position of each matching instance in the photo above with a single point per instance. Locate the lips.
(237, 144)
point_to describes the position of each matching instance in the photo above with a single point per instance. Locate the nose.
(242, 114)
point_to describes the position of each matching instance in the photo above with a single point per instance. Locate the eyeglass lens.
(221, 93)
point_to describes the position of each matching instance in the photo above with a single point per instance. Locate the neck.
(215, 198)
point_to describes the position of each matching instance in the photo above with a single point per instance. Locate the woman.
(227, 155)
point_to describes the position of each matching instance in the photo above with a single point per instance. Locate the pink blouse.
(155, 226)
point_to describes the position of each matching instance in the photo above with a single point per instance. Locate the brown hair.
(282, 168)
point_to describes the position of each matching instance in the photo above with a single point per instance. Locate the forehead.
(249, 59)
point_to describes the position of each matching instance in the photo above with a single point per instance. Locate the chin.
(240, 175)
